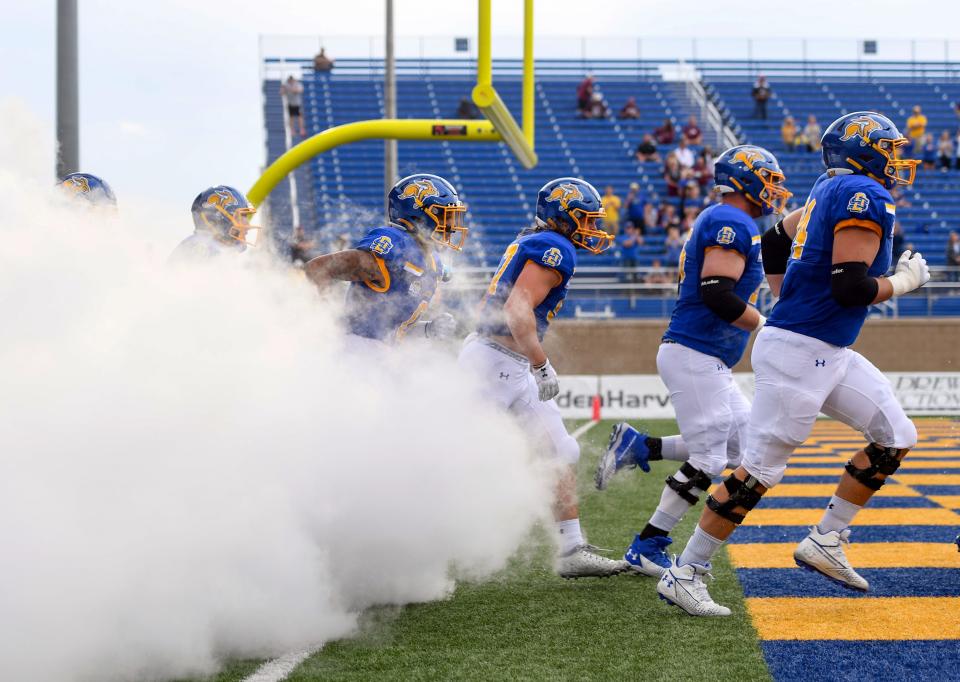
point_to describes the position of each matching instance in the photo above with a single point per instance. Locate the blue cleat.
(627, 448)
(649, 556)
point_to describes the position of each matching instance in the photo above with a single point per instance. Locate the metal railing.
(606, 284)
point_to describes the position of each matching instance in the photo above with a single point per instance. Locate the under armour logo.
(830, 506)
(820, 362)
(504, 375)
(719, 368)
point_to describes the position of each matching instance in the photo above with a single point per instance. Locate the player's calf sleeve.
(674, 449)
(682, 490)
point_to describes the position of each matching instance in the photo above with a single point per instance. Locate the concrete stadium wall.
(630, 346)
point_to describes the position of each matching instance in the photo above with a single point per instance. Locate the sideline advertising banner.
(644, 396)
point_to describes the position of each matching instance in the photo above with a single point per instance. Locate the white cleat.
(584, 562)
(683, 586)
(823, 553)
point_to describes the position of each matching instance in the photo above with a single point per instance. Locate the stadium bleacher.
(341, 192)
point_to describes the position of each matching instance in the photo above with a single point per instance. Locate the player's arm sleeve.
(775, 245)
(863, 207)
(850, 285)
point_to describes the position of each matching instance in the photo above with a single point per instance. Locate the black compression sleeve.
(718, 295)
(775, 245)
(851, 286)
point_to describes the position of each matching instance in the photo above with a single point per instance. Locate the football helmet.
(225, 211)
(91, 187)
(572, 207)
(755, 173)
(429, 204)
(868, 143)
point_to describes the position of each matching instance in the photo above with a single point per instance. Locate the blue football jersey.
(545, 248)
(693, 324)
(410, 273)
(806, 305)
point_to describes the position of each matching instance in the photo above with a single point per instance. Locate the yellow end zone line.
(838, 463)
(866, 517)
(948, 501)
(865, 618)
(860, 554)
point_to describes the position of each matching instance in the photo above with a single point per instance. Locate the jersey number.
(504, 262)
(801, 237)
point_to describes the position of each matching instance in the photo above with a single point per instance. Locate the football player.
(91, 187)
(221, 220)
(394, 270)
(720, 275)
(526, 292)
(840, 249)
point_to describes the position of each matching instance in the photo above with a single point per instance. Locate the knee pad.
(568, 450)
(883, 461)
(695, 479)
(741, 494)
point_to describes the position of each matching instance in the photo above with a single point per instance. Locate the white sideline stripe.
(580, 430)
(278, 669)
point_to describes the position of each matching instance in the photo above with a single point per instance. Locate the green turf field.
(530, 624)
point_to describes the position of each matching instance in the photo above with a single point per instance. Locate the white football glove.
(548, 386)
(912, 273)
(442, 327)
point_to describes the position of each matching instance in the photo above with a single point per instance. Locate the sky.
(170, 91)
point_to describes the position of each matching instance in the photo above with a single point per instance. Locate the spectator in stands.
(917, 128)
(630, 109)
(584, 94)
(301, 248)
(467, 109)
(899, 198)
(651, 216)
(322, 62)
(956, 109)
(708, 157)
(702, 171)
(692, 132)
(647, 149)
(666, 133)
(658, 274)
(633, 208)
(684, 154)
(672, 174)
(597, 108)
(292, 90)
(898, 246)
(761, 94)
(812, 134)
(690, 199)
(953, 248)
(673, 244)
(611, 205)
(668, 216)
(945, 150)
(928, 152)
(788, 132)
(957, 149)
(629, 243)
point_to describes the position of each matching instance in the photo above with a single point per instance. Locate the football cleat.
(584, 562)
(627, 448)
(648, 556)
(683, 586)
(823, 553)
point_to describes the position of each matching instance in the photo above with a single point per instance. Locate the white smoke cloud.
(192, 468)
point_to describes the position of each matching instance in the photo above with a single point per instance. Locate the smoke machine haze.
(192, 468)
